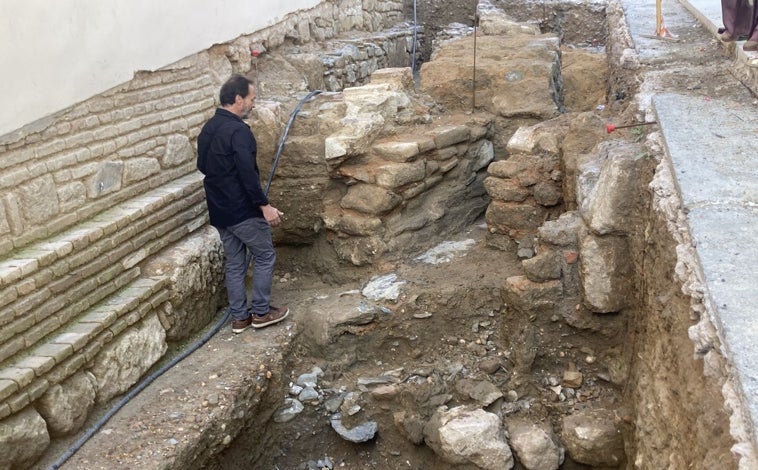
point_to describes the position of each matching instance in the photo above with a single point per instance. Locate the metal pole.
(473, 85)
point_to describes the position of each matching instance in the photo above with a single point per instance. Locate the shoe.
(274, 315)
(750, 46)
(238, 326)
(726, 36)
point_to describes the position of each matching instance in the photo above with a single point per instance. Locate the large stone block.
(464, 436)
(39, 199)
(140, 168)
(528, 296)
(178, 150)
(563, 231)
(66, 406)
(351, 223)
(517, 75)
(106, 180)
(536, 446)
(395, 175)
(506, 190)
(610, 207)
(546, 266)
(605, 272)
(591, 437)
(370, 199)
(23, 439)
(195, 269)
(123, 361)
(507, 216)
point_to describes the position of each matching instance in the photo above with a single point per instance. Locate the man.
(238, 207)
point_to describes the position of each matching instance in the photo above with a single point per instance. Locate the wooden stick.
(658, 18)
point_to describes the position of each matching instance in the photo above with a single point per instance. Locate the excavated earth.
(444, 338)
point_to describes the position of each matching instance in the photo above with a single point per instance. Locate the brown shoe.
(274, 315)
(750, 46)
(726, 36)
(238, 326)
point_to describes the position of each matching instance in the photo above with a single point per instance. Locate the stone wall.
(101, 216)
(622, 267)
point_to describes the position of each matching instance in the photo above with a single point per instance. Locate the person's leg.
(736, 17)
(234, 250)
(256, 234)
(752, 42)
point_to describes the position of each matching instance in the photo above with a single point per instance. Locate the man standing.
(237, 205)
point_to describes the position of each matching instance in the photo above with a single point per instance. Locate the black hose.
(150, 378)
(284, 136)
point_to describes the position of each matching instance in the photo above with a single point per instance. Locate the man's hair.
(236, 85)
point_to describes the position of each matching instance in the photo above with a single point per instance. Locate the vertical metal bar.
(473, 85)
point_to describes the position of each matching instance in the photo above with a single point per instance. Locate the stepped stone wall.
(101, 213)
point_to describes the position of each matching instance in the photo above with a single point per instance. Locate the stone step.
(44, 286)
(24, 378)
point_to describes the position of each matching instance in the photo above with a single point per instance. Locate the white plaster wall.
(56, 53)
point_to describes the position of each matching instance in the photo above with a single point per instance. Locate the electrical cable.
(150, 378)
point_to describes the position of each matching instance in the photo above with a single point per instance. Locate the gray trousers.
(255, 235)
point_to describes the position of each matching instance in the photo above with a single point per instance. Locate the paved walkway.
(713, 145)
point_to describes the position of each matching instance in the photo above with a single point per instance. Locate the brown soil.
(437, 357)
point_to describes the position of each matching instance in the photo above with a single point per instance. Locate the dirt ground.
(447, 331)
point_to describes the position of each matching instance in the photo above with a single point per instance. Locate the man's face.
(248, 103)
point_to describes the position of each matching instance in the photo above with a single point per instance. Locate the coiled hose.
(207, 336)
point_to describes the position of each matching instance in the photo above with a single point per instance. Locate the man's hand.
(272, 215)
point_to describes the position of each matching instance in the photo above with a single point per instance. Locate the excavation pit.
(480, 274)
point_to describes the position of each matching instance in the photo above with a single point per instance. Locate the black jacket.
(226, 152)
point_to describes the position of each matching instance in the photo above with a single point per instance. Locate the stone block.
(23, 376)
(545, 266)
(521, 73)
(395, 175)
(140, 168)
(547, 193)
(370, 199)
(510, 168)
(605, 272)
(11, 347)
(463, 436)
(66, 406)
(106, 180)
(398, 78)
(72, 196)
(610, 207)
(397, 150)
(505, 190)
(563, 231)
(544, 137)
(38, 199)
(528, 296)
(592, 438)
(123, 361)
(447, 136)
(481, 155)
(23, 439)
(352, 223)
(506, 216)
(536, 446)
